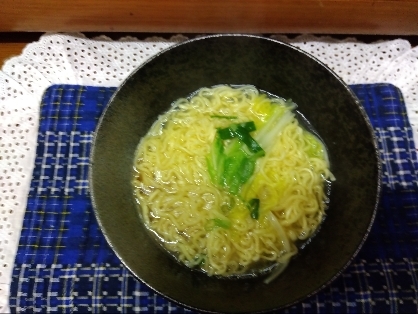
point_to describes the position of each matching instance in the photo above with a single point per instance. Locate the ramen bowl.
(324, 100)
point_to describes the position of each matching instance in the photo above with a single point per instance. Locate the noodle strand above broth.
(229, 181)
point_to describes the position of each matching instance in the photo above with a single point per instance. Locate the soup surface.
(229, 181)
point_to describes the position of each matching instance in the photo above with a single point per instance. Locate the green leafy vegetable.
(235, 151)
(314, 147)
(215, 160)
(223, 117)
(230, 132)
(253, 206)
(276, 123)
(233, 156)
(231, 175)
(217, 223)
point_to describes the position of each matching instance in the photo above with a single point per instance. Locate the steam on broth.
(229, 180)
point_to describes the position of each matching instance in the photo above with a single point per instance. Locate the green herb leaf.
(215, 160)
(223, 117)
(217, 223)
(233, 156)
(314, 147)
(242, 132)
(253, 206)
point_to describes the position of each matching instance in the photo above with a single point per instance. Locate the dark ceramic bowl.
(272, 66)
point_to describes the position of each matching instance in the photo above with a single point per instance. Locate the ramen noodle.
(229, 180)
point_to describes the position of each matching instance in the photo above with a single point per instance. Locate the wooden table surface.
(12, 44)
(8, 50)
(23, 21)
(212, 16)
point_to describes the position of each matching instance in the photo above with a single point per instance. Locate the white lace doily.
(74, 59)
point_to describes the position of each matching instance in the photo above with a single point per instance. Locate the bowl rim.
(366, 119)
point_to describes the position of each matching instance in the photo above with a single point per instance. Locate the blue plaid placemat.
(64, 264)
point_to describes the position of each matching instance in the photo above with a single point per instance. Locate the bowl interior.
(277, 68)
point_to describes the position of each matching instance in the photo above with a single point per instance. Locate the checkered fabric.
(64, 264)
